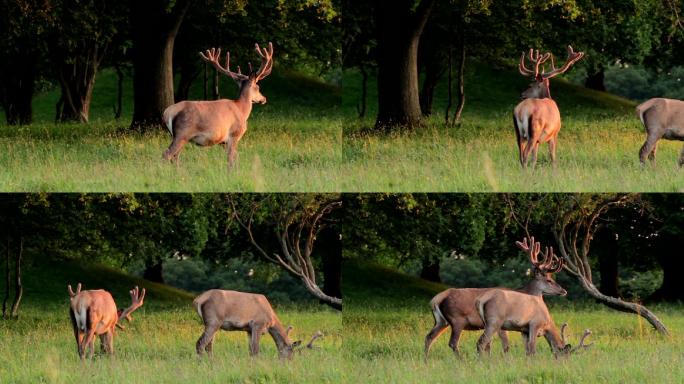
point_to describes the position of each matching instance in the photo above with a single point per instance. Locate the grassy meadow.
(159, 345)
(597, 151)
(292, 144)
(387, 317)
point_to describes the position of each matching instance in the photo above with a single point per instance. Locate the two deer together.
(498, 310)
(94, 313)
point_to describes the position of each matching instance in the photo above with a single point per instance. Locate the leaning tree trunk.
(18, 286)
(574, 228)
(399, 28)
(77, 79)
(152, 58)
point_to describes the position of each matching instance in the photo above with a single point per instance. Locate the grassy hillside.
(597, 151)
(159, 345)
(388, 316)
(292, 144)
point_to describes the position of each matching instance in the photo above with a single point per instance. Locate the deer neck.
(532, 288)
(279, 335)
(244, 102)
(554, 339)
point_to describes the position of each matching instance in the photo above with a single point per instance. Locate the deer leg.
(486, 338)
(552, 151)
(109, 339)
(173, 152)
(531, 340)
(535, 149)
(647, 148)
(681, 158)
(503, 335)
(525, 339)
(77, 335)
(103, 343)
(456, 330)
(254, 341)
(232, 153)
(434, 333)
(208, 334)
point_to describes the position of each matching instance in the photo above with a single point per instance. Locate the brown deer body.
(94, 313)
(537, 118)
(455, 307)
(241, 311)
(207, 123)
(502, 309)
(662, 119)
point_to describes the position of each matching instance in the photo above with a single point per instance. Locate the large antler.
(549, 264)
(537, 59)
(212, 56)
(266, 55)
(316, 335)
(137, 298)
(581, 345)
(573, 57)
(71, 291)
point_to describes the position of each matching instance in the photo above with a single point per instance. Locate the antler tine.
(532, 249)
(137, 299)
(288, 330)
(581, 345)
(573, 57)
(563, 339)
(213, 55)
(316, 335)
(71, 291)
(266, 55)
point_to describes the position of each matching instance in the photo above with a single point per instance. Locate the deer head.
(73, 294)
(543, 281)
(249, 83)
(539, 88)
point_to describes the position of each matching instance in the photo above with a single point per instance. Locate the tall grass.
(598, 145)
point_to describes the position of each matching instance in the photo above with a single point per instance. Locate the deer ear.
(296, 344)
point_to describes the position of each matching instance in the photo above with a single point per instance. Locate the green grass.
(387, 317)
(159, 345)
(292, 144)
(598, 145)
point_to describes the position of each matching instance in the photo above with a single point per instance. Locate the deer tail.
(435, 303)
(521, 124)
(197, 303)
(168, 116)
(642, 108)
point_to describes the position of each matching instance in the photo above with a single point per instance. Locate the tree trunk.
(119, 92)
(399, 30)
(433, 73)
(361, 108)
(596, 79)
(430, 271)
(329, 248)
(77, 79)
(461, 82)
(18, 286)
(450, 88)
(152, 59)
(672, 288)
(17, 82)
(606, 247)
(188, 74)
(7, 281)
(216, 94)
(154, 271)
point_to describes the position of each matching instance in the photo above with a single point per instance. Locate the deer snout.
(563, 292)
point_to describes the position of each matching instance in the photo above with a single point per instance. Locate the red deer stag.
(94, 313)
(455, 307)
(241, 311)
(501, 309)
(537, 118)
(662, 119)
(207, 123)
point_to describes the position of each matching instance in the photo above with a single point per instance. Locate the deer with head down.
(93, 313)
(208, 123)
(662, 119)
(241, 311)
(455, 307)
(537, 118)
(502, 309)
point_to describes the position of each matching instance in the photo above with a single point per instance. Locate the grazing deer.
(537, 118)
(94, 312)
(207, 123)
(662, 119)
(502, 309)
(455, 307)
(241, 311)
